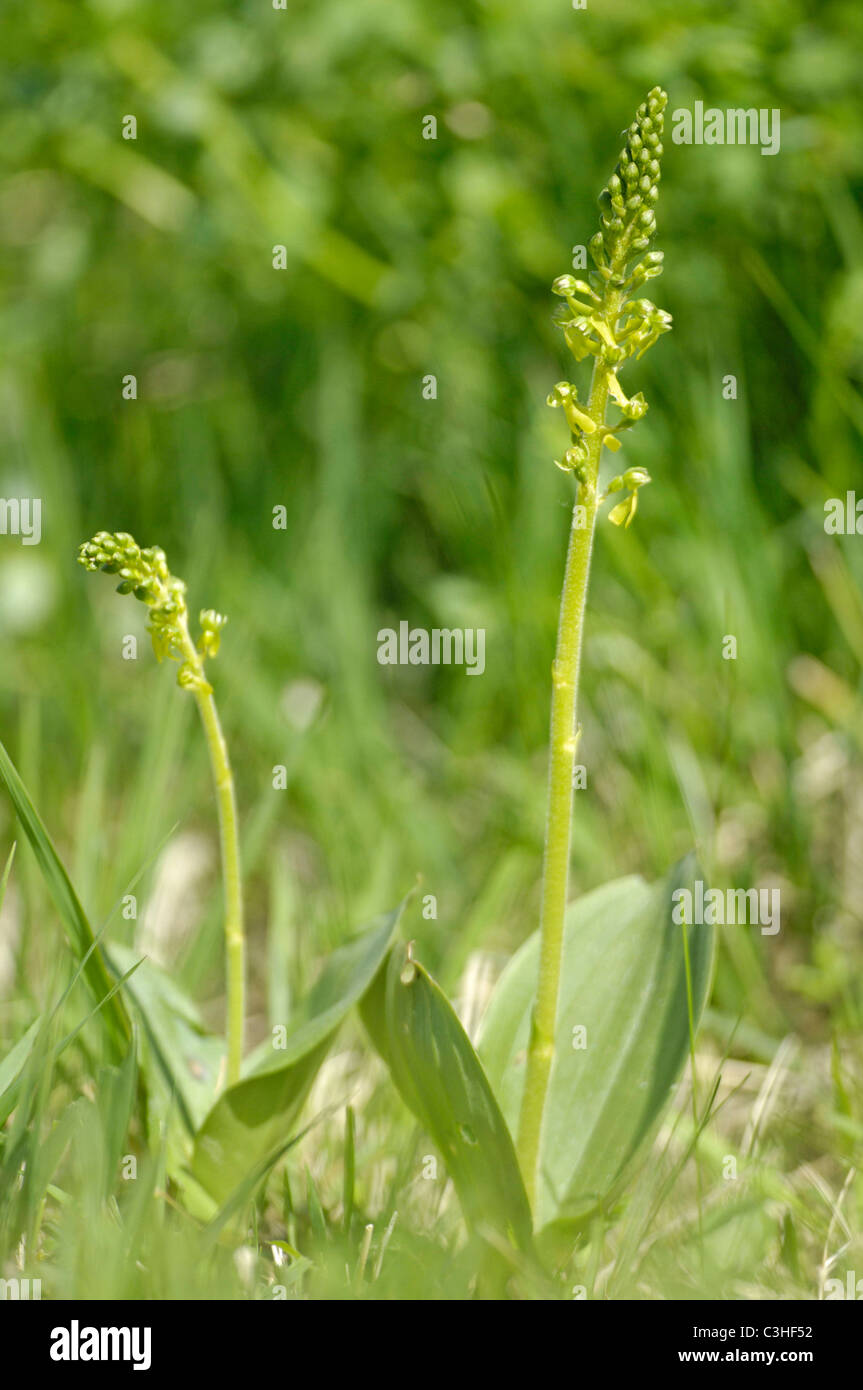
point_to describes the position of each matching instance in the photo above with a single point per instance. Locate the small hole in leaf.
(467, 1134)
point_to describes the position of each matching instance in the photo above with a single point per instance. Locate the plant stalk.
(561, 766)
(235, 944)
(628, 224)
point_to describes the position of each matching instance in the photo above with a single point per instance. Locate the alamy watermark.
(851, 1288)
(77, 1343)
(436, 647)
(735, 126)
(713, 907)
(21, 516)
(20, 1290)
(843, 516)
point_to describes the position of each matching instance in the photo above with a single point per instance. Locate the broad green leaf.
(440, 1079)
(251, 1122)
(179, 1059)
(78, 929)
(623, 981)
(243, 1194)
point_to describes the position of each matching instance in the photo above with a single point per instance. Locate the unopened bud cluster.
(144, 572)
(627, 201)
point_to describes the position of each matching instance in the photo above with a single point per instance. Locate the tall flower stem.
(561, 769)
(601, 320)
(144, 572)
(235, 942)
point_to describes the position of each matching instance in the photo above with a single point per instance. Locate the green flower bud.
(656, 100)
(145, 573)
(635, 177)
(211, 628)
(573, 461)
(646, 269)
(190, 678)
(596, 248)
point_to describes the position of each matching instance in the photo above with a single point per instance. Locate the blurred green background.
(303, 388)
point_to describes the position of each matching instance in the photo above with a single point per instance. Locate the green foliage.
(116, 1098)
(12, 1066)
(79, 933)
(251, 1121)
(440, 1078)
(622, 1037)
(302, 388)
(181, 1060)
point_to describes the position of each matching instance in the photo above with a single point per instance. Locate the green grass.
(303, 389)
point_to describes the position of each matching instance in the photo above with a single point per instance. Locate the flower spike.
(145, 573)
(600, 318)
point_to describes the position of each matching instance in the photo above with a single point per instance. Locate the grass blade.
(79, 933)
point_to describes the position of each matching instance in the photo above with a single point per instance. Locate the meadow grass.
(308, 395)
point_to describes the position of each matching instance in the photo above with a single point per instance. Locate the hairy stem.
(235, 945)
(561, 766)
